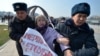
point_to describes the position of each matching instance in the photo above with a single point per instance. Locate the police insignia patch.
(17, 6)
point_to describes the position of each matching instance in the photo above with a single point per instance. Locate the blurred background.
(56, 10)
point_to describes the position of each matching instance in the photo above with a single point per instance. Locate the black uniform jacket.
(18, 27)
(82, 41)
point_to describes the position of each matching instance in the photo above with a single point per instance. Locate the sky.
(55, 8)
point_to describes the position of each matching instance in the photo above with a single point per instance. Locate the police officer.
(19, 24)
(81, 36)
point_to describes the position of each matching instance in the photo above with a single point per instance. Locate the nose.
(81, 19)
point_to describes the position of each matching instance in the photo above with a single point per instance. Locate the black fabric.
(58, 50)
(82, 41)
(19, 49)
(18, 28)
(20, 6)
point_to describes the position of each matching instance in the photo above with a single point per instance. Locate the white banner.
(33, 44)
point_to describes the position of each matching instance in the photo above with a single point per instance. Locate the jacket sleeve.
(63, 47)
(13, 33)
(59, 28)
(90, 47)
(62, 29)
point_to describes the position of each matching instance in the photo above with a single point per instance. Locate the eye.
(79, 15)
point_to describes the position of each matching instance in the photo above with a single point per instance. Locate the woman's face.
(79, 19)
(41, 22)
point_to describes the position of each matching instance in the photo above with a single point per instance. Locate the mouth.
(80, 23)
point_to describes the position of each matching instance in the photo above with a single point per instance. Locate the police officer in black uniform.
(19, 24)
(81, 36)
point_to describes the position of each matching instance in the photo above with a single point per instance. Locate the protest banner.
(33, 44)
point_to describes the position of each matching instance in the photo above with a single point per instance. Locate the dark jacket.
(18, 28)
(82, 42)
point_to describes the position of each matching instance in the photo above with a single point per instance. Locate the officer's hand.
(68, 53)
(20, 40)
(63, 40)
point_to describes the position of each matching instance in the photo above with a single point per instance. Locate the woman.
(50, 35)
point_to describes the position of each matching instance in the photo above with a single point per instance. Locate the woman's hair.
(39, 16)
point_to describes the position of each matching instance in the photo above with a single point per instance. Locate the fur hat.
(20, 6)
(81, 8)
